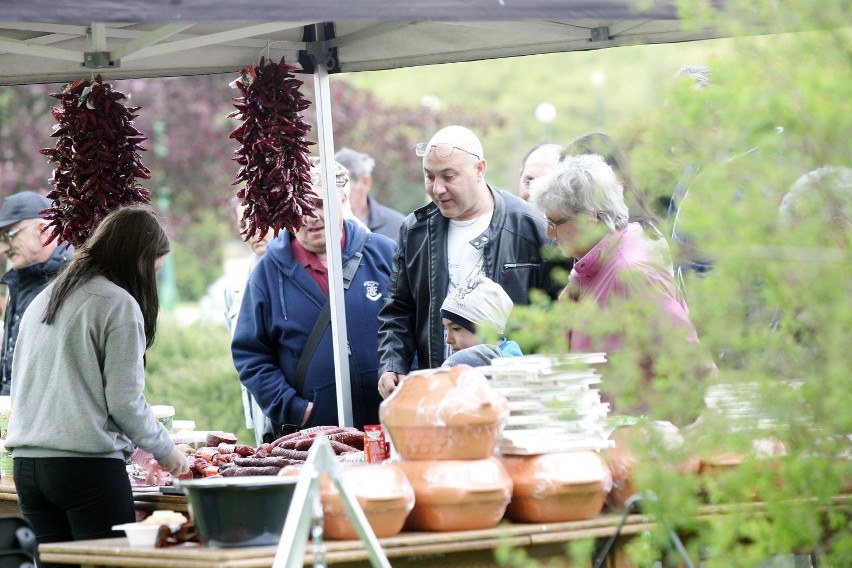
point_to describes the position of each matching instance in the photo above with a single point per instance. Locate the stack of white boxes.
(553, 403)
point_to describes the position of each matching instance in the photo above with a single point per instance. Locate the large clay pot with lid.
(444, 414)
(557, 487)
(457, 495)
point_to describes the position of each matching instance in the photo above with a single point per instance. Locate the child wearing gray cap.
(478, 303)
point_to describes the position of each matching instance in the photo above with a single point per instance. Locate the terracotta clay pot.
(633, 440)
(457, 495)
(621, 461)
(557, 487)
(383, 492)
(444, 414)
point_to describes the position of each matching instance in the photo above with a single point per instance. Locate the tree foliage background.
(774, 311)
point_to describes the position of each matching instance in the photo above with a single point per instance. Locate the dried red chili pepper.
(96, 156)
(273, 152)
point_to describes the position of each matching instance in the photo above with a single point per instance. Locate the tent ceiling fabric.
(328, 10)
(52, 41)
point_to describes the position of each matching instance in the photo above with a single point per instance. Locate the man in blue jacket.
(283, 300)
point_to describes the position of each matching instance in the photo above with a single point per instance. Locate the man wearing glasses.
(469, 228)
(33, 265)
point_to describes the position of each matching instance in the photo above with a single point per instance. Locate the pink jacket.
(626, 265)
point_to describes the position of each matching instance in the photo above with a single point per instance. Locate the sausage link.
(276, 443)
(243, 450)
(354, 439)
(291, 442)
(238, 471)
(341, 448)
(263, 462)
(289, 454)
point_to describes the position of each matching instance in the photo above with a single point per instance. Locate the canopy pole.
(332, 240)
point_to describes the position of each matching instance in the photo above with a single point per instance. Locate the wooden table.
(418, 549)
(421, 549)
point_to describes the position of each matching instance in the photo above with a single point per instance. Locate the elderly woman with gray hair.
(628, 301)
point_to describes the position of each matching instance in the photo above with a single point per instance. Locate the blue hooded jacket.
(279, 308)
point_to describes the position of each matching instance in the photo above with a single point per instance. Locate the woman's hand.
(175, 463)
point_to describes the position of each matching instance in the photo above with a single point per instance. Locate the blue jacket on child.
(280, 305)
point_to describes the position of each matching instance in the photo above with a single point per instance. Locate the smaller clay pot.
(457, 495)
(622, 459)
(557, 487)
(383, 492)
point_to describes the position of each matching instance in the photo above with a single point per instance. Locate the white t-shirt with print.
(463, 259)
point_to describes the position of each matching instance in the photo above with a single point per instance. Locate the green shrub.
(190, 368)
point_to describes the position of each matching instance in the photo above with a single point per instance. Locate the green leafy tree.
(774, 310)
(190, 368)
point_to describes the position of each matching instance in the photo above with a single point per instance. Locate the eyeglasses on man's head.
(441, 149)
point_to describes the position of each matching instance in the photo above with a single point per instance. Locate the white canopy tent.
(45, 41)
(51, 40)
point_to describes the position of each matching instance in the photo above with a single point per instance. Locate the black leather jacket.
(24, 285)
(410, 320)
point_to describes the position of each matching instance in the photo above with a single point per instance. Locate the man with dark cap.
(33, 265)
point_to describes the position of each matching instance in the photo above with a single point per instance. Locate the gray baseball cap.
(20, 206)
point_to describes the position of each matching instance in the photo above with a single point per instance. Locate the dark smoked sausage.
(238, 471)
(263, 462)
(289, 454)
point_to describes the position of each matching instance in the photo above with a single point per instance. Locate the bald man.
(469, 228)
(538, 160)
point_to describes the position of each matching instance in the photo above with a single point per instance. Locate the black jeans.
(73, 498)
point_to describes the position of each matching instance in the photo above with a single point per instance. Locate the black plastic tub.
(239, 511)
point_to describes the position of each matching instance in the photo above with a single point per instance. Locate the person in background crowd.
(825, 196)
(284, 300)
(477, 306)
(816, 218)
(77, 402)
(537, 160)
(34, 265)
(690, 258)
(469, 228)
(378, 218)
(586, 214)
(233, 300)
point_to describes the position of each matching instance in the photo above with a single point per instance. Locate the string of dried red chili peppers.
(96, 156)
(273, 152)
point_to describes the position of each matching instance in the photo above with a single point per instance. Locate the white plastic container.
(183, 426)
(139, 534)
(166, 415)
